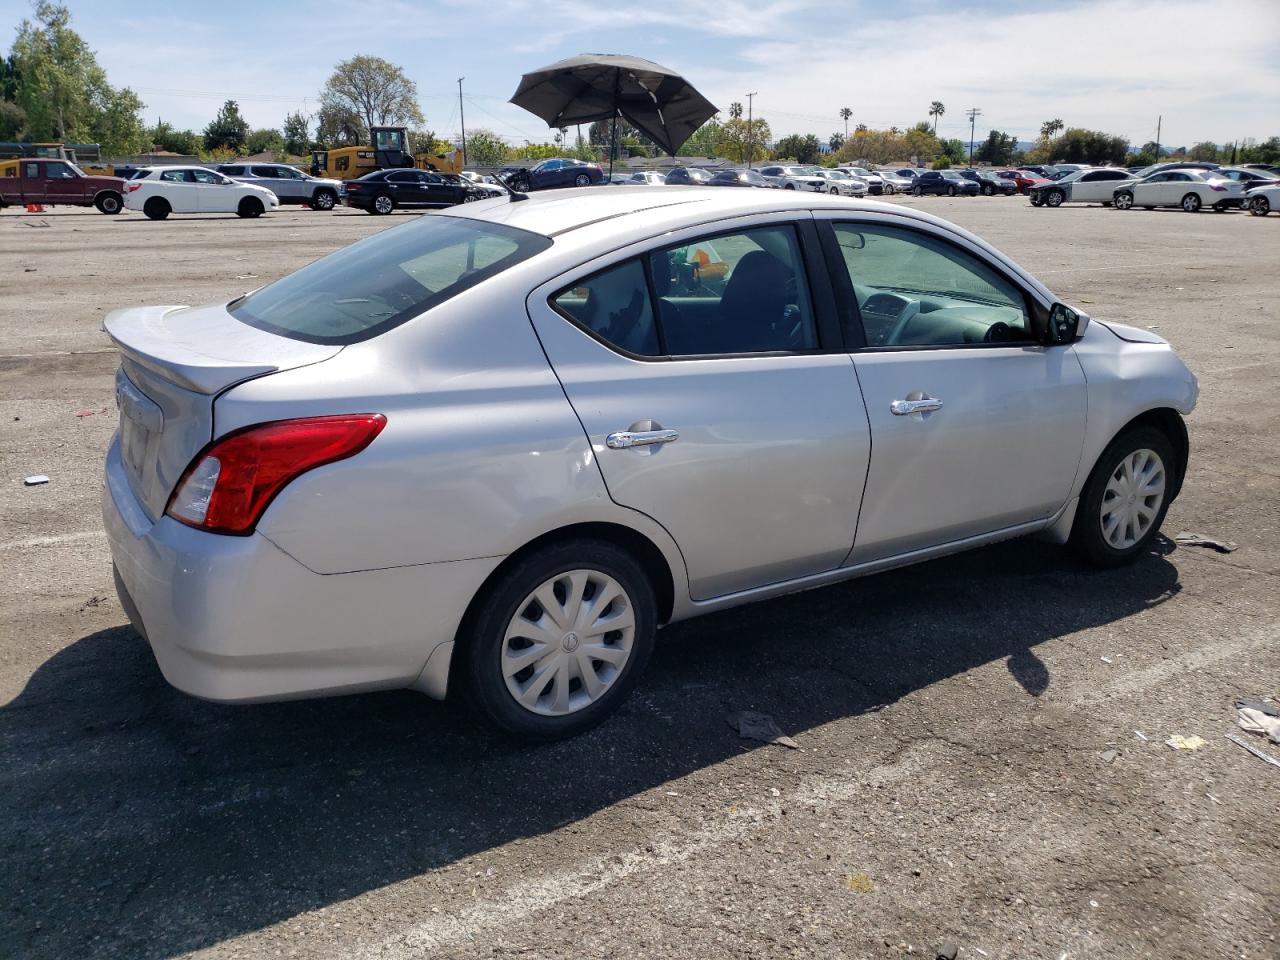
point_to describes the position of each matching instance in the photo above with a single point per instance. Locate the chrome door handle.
(640, 438)
(901, 408)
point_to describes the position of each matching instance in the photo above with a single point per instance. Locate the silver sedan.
(497, 448)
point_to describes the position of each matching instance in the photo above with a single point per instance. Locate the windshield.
(378, 283)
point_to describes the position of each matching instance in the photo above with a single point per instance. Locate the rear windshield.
(378, 283)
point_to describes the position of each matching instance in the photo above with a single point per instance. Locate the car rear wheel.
(951, 191)
(1123, 201)
(835, 190)
(917, 191)
(249, 208)
(382, 205)
(1054, 198)
(582, 180)
(324, 200)
(1259, 206)
(559, 640)
(157, 208)
(108, 203)
(1191, 203)
(1125, 499)
(988, 190)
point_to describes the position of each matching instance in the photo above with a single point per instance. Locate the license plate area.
(141, 422)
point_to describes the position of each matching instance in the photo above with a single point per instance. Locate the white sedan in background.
(792, 177)
(160, 191)
(842, 183)
(1262, 200)
(1089, 185)
(1188, 189)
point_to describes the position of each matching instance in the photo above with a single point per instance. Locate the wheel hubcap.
(568, 643)
(1132, 498)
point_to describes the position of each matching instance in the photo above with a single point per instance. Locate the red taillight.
(130, 187)
(352, 186)
(229, 485)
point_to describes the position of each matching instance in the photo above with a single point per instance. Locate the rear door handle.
(625, 439)
(902, 408)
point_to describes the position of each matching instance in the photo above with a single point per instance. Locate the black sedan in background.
(945, 182)
(385, 190)
(549, 174)
(688, 176)
(989, 184)
(740, 178)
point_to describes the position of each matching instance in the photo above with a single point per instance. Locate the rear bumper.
(236, 619)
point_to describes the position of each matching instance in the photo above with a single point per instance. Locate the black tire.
(917, 191)
(789, 186)
(1037, 199)
(324, 199)
(988, 190)
(523, 185)
(1054, 198)
(890, 189)
(1191, 203)
(1219, 208)
(835, 190)
(249, 208)
(1123, 200)
(951, 191)
(1259, 206)
(482, 638)
(382, 205)
(109, 203)
(157, 208)
(582, 180)
(1087, 538)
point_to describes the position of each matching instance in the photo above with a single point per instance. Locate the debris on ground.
(1262, 706)
(1109, 755)
(1200, 540)
(948, 951)
(1181, 742)
(36, 480)
(1105, 659)
(84, 413)
(1260, 754)
(859, 883)
(1140, 735)
(759, 726)
(1255, 721)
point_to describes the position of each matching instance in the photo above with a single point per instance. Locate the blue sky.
(1113, 65)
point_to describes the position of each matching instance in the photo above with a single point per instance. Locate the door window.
(403, 177)
(268, 172)
(915, 290)
(59, 171)
(739, 293)
(208, 176)
(33, 171)
(176, 176)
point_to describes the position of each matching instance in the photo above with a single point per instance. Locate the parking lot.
(981, 740)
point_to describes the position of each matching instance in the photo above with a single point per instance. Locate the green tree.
(267, 140)
(953, 150)
(534, 151)
(846, 113)
(936, 109)
(164, 137)
(374, 90)
(339, 127)
(805, 149)
(13, 121)
(1077, 145)
(735, 110)
(55, 79)
(600, 133)
(297, 133)
(486, 149)
(704, 141)
(998, 149)
(919, 142)
(741, 139)
(228, 130)
(1205, 150)
(835, 142)
(1049, 128)
(1266, 152)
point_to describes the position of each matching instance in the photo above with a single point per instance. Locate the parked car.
(989, 184)
(1091, 185)
(1044, 170)
(160, 191)
(549, 174)
(1188, 189)
(1023, 180)
(790, 177)
(382, 191)
(840, 182)
(895, 182)
(484, 183)
(948, 182)
(1151, 168)
(1262, 200)
(741, 178)
(1272, 168)
(875, 182)
(688, 176)
(1066, 169)
(289, 184)
(1247, 176)
(523, 437)
(647, 178)
(57, 183)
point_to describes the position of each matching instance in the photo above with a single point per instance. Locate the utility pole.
(751, 131)
(974, 113)
(1159, 121)
(463, 118)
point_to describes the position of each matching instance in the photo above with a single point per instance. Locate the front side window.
(384, 280)
(914, 290)
(175, 176)
(403, 177)
(739, 293)
(268, 172)
(208, 176)
(59, 171)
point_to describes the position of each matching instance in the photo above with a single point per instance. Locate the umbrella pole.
(613, 143)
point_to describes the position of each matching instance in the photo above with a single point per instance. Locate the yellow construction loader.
(390, 148)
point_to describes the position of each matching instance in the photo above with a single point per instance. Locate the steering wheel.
(910, 310)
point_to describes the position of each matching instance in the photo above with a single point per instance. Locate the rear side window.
(175, 176)
(264, 171)
(382, 281)
(232, 171)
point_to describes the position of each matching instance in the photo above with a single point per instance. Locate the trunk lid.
(175, 361)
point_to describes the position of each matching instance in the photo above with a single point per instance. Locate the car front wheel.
(890, 189)
(324, 200)
(560, 639)
(1123, 201)
(157, 208)
(249, 208)
(1125, 499)
(1054, 198)
(917, 192)
(1259, 206)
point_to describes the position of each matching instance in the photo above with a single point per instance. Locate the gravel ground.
(981, 739)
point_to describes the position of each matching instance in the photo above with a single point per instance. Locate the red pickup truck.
(57, 183)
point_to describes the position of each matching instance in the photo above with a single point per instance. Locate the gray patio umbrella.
(590, 87)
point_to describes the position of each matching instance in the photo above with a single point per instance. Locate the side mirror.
(1066, 325)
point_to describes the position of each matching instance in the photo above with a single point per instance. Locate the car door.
(269, 177)
(716, 396)
(437, 190)
(404, 187)
(213, 192)
(179, 188)
(1098, 186)
(976, 427)
(62, 184)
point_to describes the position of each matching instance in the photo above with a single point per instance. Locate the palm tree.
(1050, 127)
(845, 114)
(735, 111)
(936, 109)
